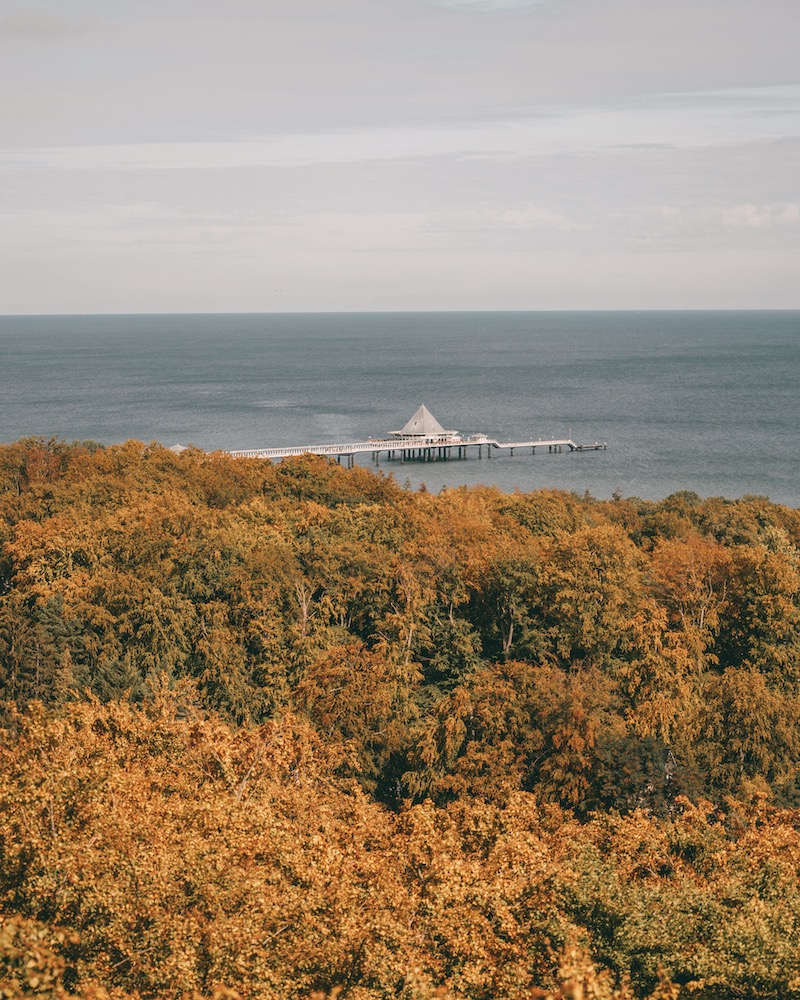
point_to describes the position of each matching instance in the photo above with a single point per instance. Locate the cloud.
(507, 135)
(770, 223)
(522, 218)
(489, 6)
(36, 24)
(112, 227)
(749, 216)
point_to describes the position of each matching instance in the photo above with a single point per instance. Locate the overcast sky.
(271, 155)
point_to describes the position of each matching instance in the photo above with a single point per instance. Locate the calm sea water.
(704, 401)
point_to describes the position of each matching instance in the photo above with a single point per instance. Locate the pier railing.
(417, 447)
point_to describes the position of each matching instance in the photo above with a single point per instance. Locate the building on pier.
(423, 425)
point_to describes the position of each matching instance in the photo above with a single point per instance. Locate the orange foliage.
(300, 732)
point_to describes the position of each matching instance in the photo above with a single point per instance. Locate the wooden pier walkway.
(419, 449)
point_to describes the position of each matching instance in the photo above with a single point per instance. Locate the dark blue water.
(705, 401)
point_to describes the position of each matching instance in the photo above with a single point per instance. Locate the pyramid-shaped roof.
(423, 424)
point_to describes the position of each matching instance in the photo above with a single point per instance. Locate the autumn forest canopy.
(288, 730)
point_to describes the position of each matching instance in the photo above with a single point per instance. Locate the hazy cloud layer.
(689, 120)
(399, 154)
(489, 6)
(33, 24)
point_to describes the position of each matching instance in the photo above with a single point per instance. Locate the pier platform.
(429, 449)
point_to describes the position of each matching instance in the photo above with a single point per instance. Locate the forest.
(296, 731)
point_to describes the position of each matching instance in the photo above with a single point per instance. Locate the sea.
(701, 401)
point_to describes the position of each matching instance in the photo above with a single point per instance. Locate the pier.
(423, 439)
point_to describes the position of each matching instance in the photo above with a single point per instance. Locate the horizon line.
(394, 312)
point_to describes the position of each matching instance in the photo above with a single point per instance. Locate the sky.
(312, 155)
